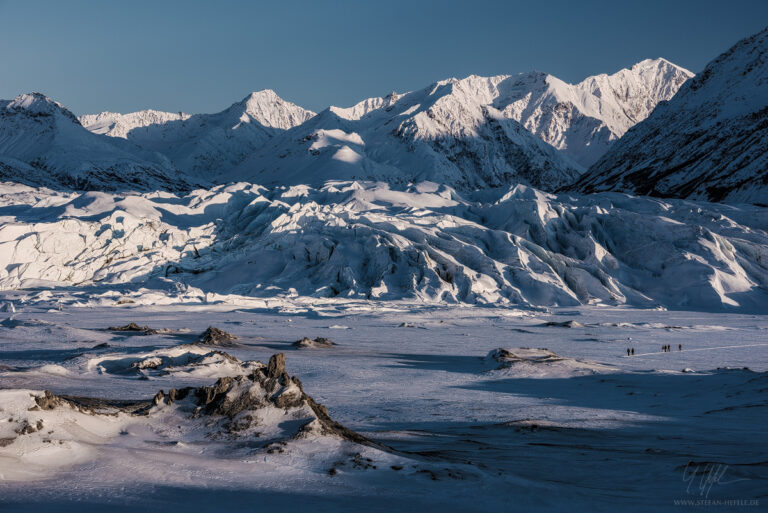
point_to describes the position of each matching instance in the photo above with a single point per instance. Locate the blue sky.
(201, 56)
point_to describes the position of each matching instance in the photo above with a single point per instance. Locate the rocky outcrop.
(309, 343)
(234, 403)
(213, 336)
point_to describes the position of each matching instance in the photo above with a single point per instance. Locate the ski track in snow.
(702, 349)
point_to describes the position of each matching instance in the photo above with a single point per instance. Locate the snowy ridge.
(205, 145)
(368, 241)
(42, 143)
(121, 125)
(467, 133)
(461, 132)
(366, 106)
(710, 142)
(445, 133)
(583, 120)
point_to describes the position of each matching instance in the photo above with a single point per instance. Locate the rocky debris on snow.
(134, 328)
(190, 360)
(266, 408)
(540, 363)
(563, 324)
(507, 357)
(319, 342)
(243, 401)
(216, 337)
(240, 398)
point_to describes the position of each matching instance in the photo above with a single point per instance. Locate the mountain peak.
(709, 140)
(657, 62)
(38, 104)
(262, 95)
(270, 110)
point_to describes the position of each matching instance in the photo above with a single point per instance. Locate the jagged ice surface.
(370, 241)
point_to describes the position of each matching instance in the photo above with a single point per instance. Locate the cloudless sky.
(201, 56)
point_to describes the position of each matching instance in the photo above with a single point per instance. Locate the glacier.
(370, 241)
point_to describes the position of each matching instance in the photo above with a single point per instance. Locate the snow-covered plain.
(454, 430)
(479, 357)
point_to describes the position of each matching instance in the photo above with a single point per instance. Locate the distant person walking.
(679, 347)
(627, 351)
(633, 351)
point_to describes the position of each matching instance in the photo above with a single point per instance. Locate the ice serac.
(355, 241)
(709, 142)
(205, 146)
(448, 132)
(42, 143)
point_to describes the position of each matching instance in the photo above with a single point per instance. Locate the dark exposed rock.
(48, 401)
(319, 342)
(228, 398)
(276, 366)
(507, 357)
(216, 337)
(563, 324)
(135, 328)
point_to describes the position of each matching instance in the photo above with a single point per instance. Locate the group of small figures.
(665, 349)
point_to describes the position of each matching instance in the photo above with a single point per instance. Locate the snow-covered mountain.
(583, 120)
(465, 133)
(461, 132)
(114, 124)
(449, 132)
(709, 142)
(204, 145)
(42, 143)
